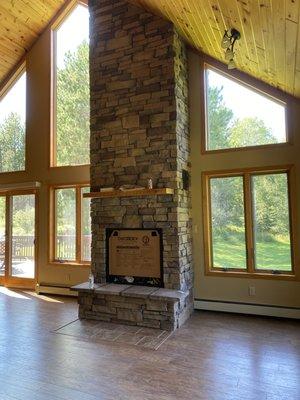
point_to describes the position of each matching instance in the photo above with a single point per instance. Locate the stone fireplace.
(139, 131)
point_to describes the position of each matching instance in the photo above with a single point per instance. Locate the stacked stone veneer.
(133, 305)
(139, 130)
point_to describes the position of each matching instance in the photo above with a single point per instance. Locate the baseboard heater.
(244, 308)
(54, 289)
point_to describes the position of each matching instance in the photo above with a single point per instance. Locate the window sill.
(53, 167)
(206, 151)
(70, 264)
(257, 275)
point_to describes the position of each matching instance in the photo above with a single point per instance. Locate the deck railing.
(23, 247)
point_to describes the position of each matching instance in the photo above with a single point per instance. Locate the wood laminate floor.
(99, 331)
(213, 357)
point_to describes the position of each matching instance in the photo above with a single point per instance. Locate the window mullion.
(8, 236)
(249, 223)
(207, 228)
(53, 233)
(78, 224)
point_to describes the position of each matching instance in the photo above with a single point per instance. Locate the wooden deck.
(213, 357)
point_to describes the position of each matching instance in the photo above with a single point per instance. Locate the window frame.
(4, 90)
(8, 194)
(248, 82)
(70, 7)
(78, 224)
(246, 174)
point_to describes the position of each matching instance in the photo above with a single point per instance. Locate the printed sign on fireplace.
(134, 256)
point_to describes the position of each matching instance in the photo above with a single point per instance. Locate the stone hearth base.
(134, 305)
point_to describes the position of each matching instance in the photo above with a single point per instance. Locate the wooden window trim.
(250, 83)
(7, 279)
(52, 225)
(247, 173)
(59, 20)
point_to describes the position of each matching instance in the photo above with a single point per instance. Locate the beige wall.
(279, 292)
(38, 69)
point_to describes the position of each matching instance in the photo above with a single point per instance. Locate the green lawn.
(273, 255)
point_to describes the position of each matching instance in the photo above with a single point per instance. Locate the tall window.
(71, 137)
(12, 127)
(71, 235)
(248, 222)
(237, 116)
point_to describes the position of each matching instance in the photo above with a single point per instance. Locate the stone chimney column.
(140, 130)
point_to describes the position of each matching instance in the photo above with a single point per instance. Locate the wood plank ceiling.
(21, 23)
(270, 45)
(269, 48)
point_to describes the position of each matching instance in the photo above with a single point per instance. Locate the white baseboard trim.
(63, 291)
(240, 308)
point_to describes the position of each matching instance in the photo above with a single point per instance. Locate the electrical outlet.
(252, 290)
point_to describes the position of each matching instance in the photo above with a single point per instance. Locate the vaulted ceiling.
(21, 23)
(270, 45)
(269, 48)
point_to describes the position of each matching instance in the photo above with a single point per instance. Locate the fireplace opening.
(134, 256)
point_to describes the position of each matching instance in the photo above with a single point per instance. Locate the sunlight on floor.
(24, 295)
(43, 297)
(12, 293)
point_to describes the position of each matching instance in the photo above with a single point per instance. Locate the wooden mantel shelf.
(130, 193)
